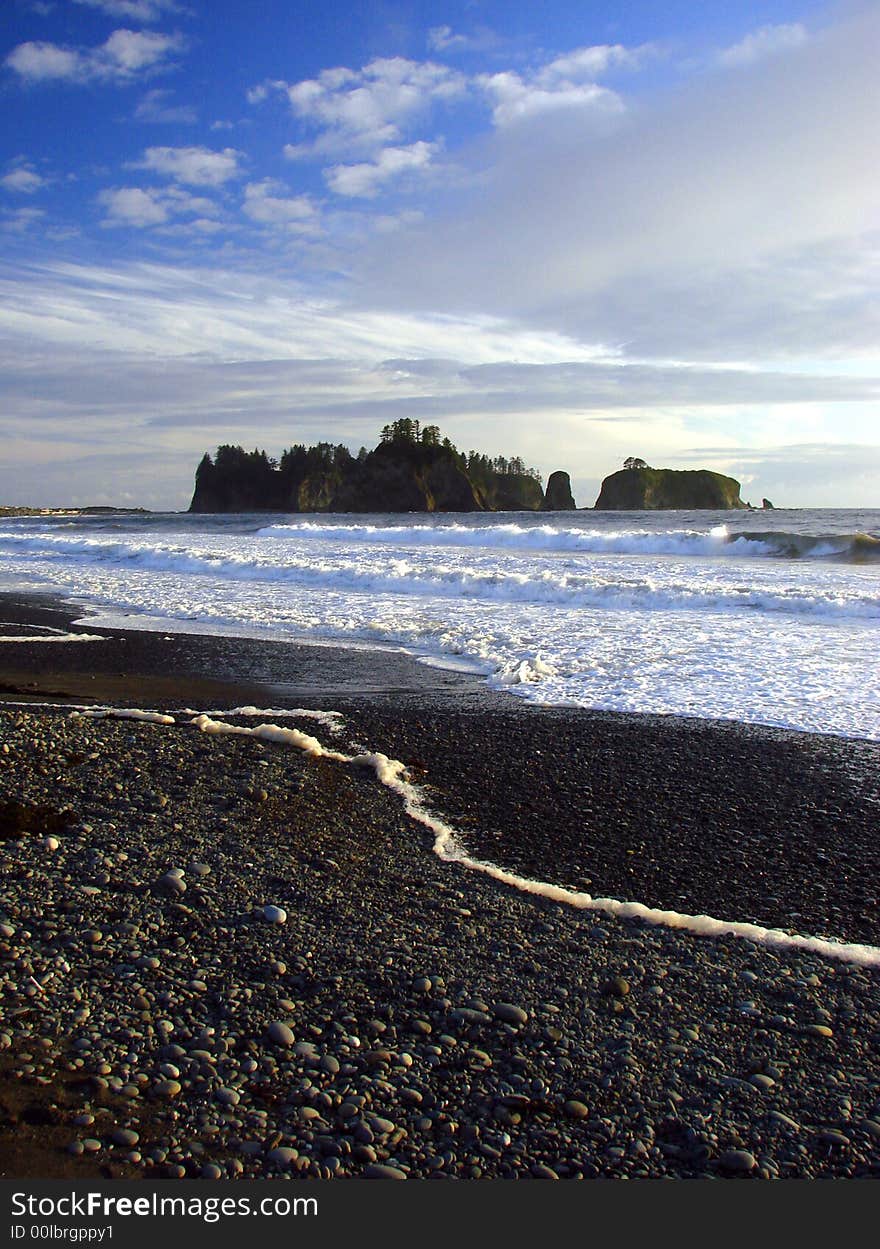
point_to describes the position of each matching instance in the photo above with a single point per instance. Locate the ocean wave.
(719, 540)
(567, 585)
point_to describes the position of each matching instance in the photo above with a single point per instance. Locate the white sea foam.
(46, 634)
(511, 536)
(448, 847)
(604, 611)
(331, 720)
(67, 637)
(122, 713)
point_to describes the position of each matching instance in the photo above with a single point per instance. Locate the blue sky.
(571, 232)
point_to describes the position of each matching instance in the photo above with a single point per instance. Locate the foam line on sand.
(447, 846)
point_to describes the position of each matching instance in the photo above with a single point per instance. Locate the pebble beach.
(229, 957)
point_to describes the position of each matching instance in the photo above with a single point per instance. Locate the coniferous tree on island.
(412, 469)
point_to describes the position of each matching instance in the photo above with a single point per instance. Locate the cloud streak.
(145, 11)
(191, 355)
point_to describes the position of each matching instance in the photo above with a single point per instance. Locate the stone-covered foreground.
(405, 1017)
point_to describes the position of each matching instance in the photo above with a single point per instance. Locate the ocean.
(769, 617)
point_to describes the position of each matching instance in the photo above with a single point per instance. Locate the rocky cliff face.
(399, 475)
(397, 482)
(558, 497)
(651, 489)
(514, 492)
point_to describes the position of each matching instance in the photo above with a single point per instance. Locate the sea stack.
(655, 489)
(558, 497)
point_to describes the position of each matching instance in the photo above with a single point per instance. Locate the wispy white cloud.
(366, 178)
(369, 107)
(592, 61)
(567, 81)
(764, 42)
(124, 57)
(20, 220)
(133, 206)
(81, 342)
(194, 166)
(731, 220)
(266, 203)
(444, 39)
(513, 98)
(155, 106)
(135, 10)
(23, 179)
(142, 208)
(42, 7)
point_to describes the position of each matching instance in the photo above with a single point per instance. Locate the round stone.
(170, 885)
(274, 915)
(737, 1160)
(509, 1013)
(576, 1110)
(125, 1137)
(381, 1171)
(282, 1157)
(279, 1033)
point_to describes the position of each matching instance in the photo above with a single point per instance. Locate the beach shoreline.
(575, 1043)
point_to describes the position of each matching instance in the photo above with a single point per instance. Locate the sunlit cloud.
(368, 177)
(125, 56)
(195, 166)
(23, 179)
(764, 42)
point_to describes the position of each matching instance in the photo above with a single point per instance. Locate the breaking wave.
(554, 584)
(849, 547)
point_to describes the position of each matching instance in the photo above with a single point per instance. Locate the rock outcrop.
(411, 470)
(558, 497)
(653, 489)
